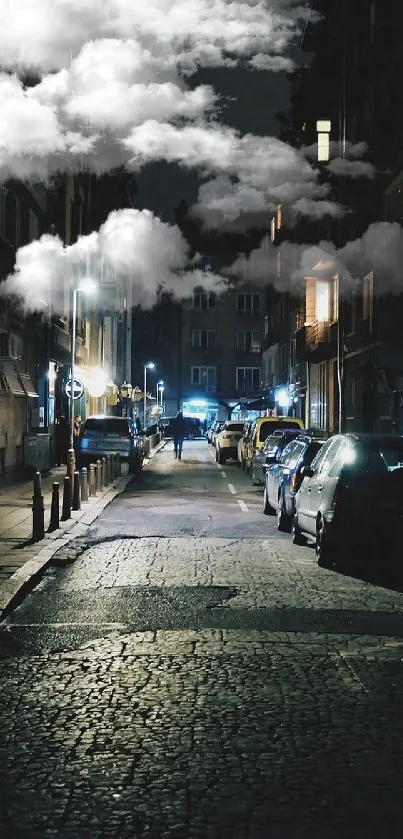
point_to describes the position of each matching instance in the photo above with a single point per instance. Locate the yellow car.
(261, 429)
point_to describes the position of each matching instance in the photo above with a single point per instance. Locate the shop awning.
(11, 381)
(19, 384)
(28, 385)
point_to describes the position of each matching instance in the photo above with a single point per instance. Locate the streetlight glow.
(149, 365)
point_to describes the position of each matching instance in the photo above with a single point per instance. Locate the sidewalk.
(21, 561)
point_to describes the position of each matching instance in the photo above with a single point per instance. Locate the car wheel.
(243, 465)
(267, 508)
(324, 553)
(221, 456)
(283, 521)
(255, 480)
(298, 537)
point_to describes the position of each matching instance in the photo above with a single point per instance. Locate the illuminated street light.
(148, 366)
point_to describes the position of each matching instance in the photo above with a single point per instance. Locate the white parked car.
(226, 445)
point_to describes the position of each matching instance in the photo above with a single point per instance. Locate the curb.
(13, 590)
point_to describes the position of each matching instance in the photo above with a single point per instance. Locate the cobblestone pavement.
(205, 686)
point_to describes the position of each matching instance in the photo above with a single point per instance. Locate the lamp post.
(148, 366)
(160, 386)
(87, 287)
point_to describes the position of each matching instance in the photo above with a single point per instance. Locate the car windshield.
(234, 426)
(106, 425)
(274, 425)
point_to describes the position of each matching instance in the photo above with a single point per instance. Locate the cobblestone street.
(178, 681)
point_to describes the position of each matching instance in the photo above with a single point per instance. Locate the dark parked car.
(270, 452)
(351, 497)
(102, 435)
(283, 478)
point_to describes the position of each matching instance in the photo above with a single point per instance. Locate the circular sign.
(77, 391)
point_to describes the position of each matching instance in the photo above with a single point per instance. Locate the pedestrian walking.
(178, 432)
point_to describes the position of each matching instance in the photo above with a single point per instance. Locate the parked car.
(261, 429)
(270, 452)
(102, 435)
(283, 478)
(243, 442)
(351, 496)
(227, 439)
(216, 429)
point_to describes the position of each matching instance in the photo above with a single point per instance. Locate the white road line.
(223, 474)
(231, 489)
(218, 465)
(242, 505)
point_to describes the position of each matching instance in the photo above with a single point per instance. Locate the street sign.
(78, 389)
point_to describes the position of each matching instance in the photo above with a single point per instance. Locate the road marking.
(242, 505)
(218, 465)
(231, 489)
(223, 474)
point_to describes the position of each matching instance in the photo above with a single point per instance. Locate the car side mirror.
(307, 472)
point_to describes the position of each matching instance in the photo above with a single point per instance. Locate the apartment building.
(222, 339)
(347, 342)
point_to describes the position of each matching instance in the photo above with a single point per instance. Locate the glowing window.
(322, 301)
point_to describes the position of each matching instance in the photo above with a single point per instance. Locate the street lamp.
(160, 385)
(87, 286)
(148, 366)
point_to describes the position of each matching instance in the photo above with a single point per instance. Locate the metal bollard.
(66, 509)
(76, 492)
(37, 484)
(99, 476)
(71, 465)
(38, 518)
(110, 468)
(92, 488)
(107, 476)
(84, 484)
(104, 478)
(54, 523)
(118, 465)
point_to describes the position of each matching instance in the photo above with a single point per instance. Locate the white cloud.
(379, 249)
(351, 168)
(133, 245)
(46, 34)
(317, 209)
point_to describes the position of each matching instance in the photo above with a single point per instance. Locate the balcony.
(316, 342)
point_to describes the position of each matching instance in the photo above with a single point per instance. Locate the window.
(12, 219)
(204, 300)
(203, 375)
(248, 305)
(247, 378)
(292, 454)
(322, 301)
(368, 299)
(33, 226)
(248, 340)
(203, 338)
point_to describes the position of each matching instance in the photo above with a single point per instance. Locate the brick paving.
(221, 688)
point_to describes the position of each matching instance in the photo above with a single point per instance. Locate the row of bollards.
(86, 484)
